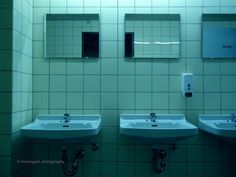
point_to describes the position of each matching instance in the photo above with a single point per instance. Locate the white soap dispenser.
(187, 84)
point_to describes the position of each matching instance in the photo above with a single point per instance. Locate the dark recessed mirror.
(129, 45)
(90, 44)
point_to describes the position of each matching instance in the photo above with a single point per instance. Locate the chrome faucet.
(233, 118)
(153, 116)
(67, 117)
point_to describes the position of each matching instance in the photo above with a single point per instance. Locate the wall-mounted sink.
(156, 128)
(222, 125)
(59, 127)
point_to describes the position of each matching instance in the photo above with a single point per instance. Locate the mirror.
(71, 36)
(218, 35)
(152, 36)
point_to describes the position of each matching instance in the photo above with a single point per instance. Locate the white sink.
(54, 127)
(166, 128)
(219, 125)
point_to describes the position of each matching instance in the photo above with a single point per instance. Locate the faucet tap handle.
(66, 115)
(152, 114)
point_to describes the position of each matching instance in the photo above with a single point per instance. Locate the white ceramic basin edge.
(167, 127)
(218, 124)
(53, 126)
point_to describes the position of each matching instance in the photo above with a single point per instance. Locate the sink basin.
(219, 125)
(54, 127)
(167, 127)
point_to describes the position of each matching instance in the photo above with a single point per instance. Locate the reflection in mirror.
(219, 36)
(129, 45)
(63, 35)
(152, 35)
(90, 44)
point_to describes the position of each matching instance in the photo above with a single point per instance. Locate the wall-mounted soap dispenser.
(187, 84)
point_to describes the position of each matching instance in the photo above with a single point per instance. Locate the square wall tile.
(160, 84)
(109, 135)
(140, 3)
(57, 100)
(160, 67)
(41, 83)
(124, 3)
(91, 101)
(41, 3)
(109, 49)
(109, 101)
(143, 84)
(92, 66)
(126, 153)
(143, 101)
(108, 153)
(109, 83)
(57, 66)
(7, 106)
(195, 169)
(5, 148)
(109, 15)
(109, 32)
(5, 35)
(143, 67)
(125, 67)
(177, 3)
(40, 100)
(228, 83)
(212, 84)
(125, 83)
(212, 101)
(126, 101)
(108, 169)
(108, 66)
(177, 101)
(5, 126)
(74, 100)
(178, 169)
(75, 3)
(125, 169)
(109, 118)
(95, 3)
(143, 153)
(5, 163)
(91, 83)
(195, 102)
(91, 165)
(58, 3)
(160, 101)
(75, 83)
(6, 21)
(57, 83)
(6, 78)
(228, 100)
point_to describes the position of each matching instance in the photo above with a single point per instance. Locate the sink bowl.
(219, 125)
(167, 128)
(54, 127)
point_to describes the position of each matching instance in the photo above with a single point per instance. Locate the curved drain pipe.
(74, 168)
(159, 155)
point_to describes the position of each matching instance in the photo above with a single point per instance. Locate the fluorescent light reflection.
(156, 43)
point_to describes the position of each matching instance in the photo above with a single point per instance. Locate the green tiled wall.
(113, 85)
(21, 82)
(16, 79)
(6, 85)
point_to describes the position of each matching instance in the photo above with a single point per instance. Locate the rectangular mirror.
(71, 36)
(218, 35)
(152, 36)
